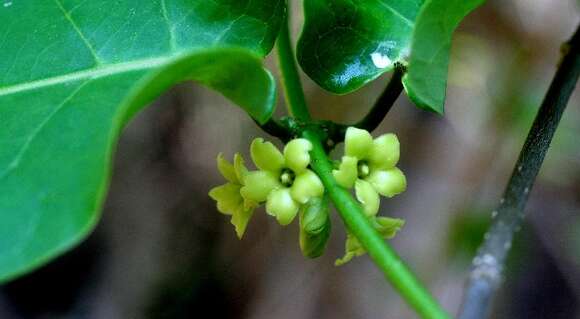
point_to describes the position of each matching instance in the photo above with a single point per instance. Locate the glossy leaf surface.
(73, 72)
(345, 44)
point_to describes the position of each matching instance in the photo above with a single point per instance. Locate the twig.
(488, 264)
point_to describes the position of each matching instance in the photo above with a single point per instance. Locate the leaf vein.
(16, 160)
(170, 27)
(86, 42)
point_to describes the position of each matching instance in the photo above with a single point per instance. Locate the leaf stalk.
(381, 107)
(295, 99)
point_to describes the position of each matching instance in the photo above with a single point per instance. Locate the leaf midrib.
(91, 73)
(87, 75)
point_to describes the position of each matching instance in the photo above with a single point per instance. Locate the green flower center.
(287, 177)
(363, 169)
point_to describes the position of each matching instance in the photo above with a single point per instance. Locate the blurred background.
(163, 251)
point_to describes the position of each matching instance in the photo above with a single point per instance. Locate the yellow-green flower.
(369, 166)
(228, 197)
(387, 227)
(283, 181)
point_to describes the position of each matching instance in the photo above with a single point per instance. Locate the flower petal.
(228, 197)
(388, 182)
(240, 220)
(388, 227)
(296, 154)
(249, 204)
(226, 169)
(258, 185)
(385, 152)
(306, 186)
(266, 156)
(357, 143)
(347, 172)
(352, 248)
(348, 256)
(281, 205)
(368, 196)
(239, 167)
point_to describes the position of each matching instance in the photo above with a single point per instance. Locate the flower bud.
(315, 227)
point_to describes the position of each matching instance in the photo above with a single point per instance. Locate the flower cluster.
(284, 182)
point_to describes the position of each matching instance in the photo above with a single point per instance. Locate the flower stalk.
(352, 214)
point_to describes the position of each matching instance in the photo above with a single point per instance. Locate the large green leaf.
(345, 44)
(73, 72)
(426, 78)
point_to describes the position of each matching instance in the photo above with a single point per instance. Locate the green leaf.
(426, 78)
(346, 44)
(73, 72)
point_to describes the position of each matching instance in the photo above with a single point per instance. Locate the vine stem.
(488, 264)
(350, 211)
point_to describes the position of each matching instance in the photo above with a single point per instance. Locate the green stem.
(382, 254)
(349, 209)
(295, 99)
